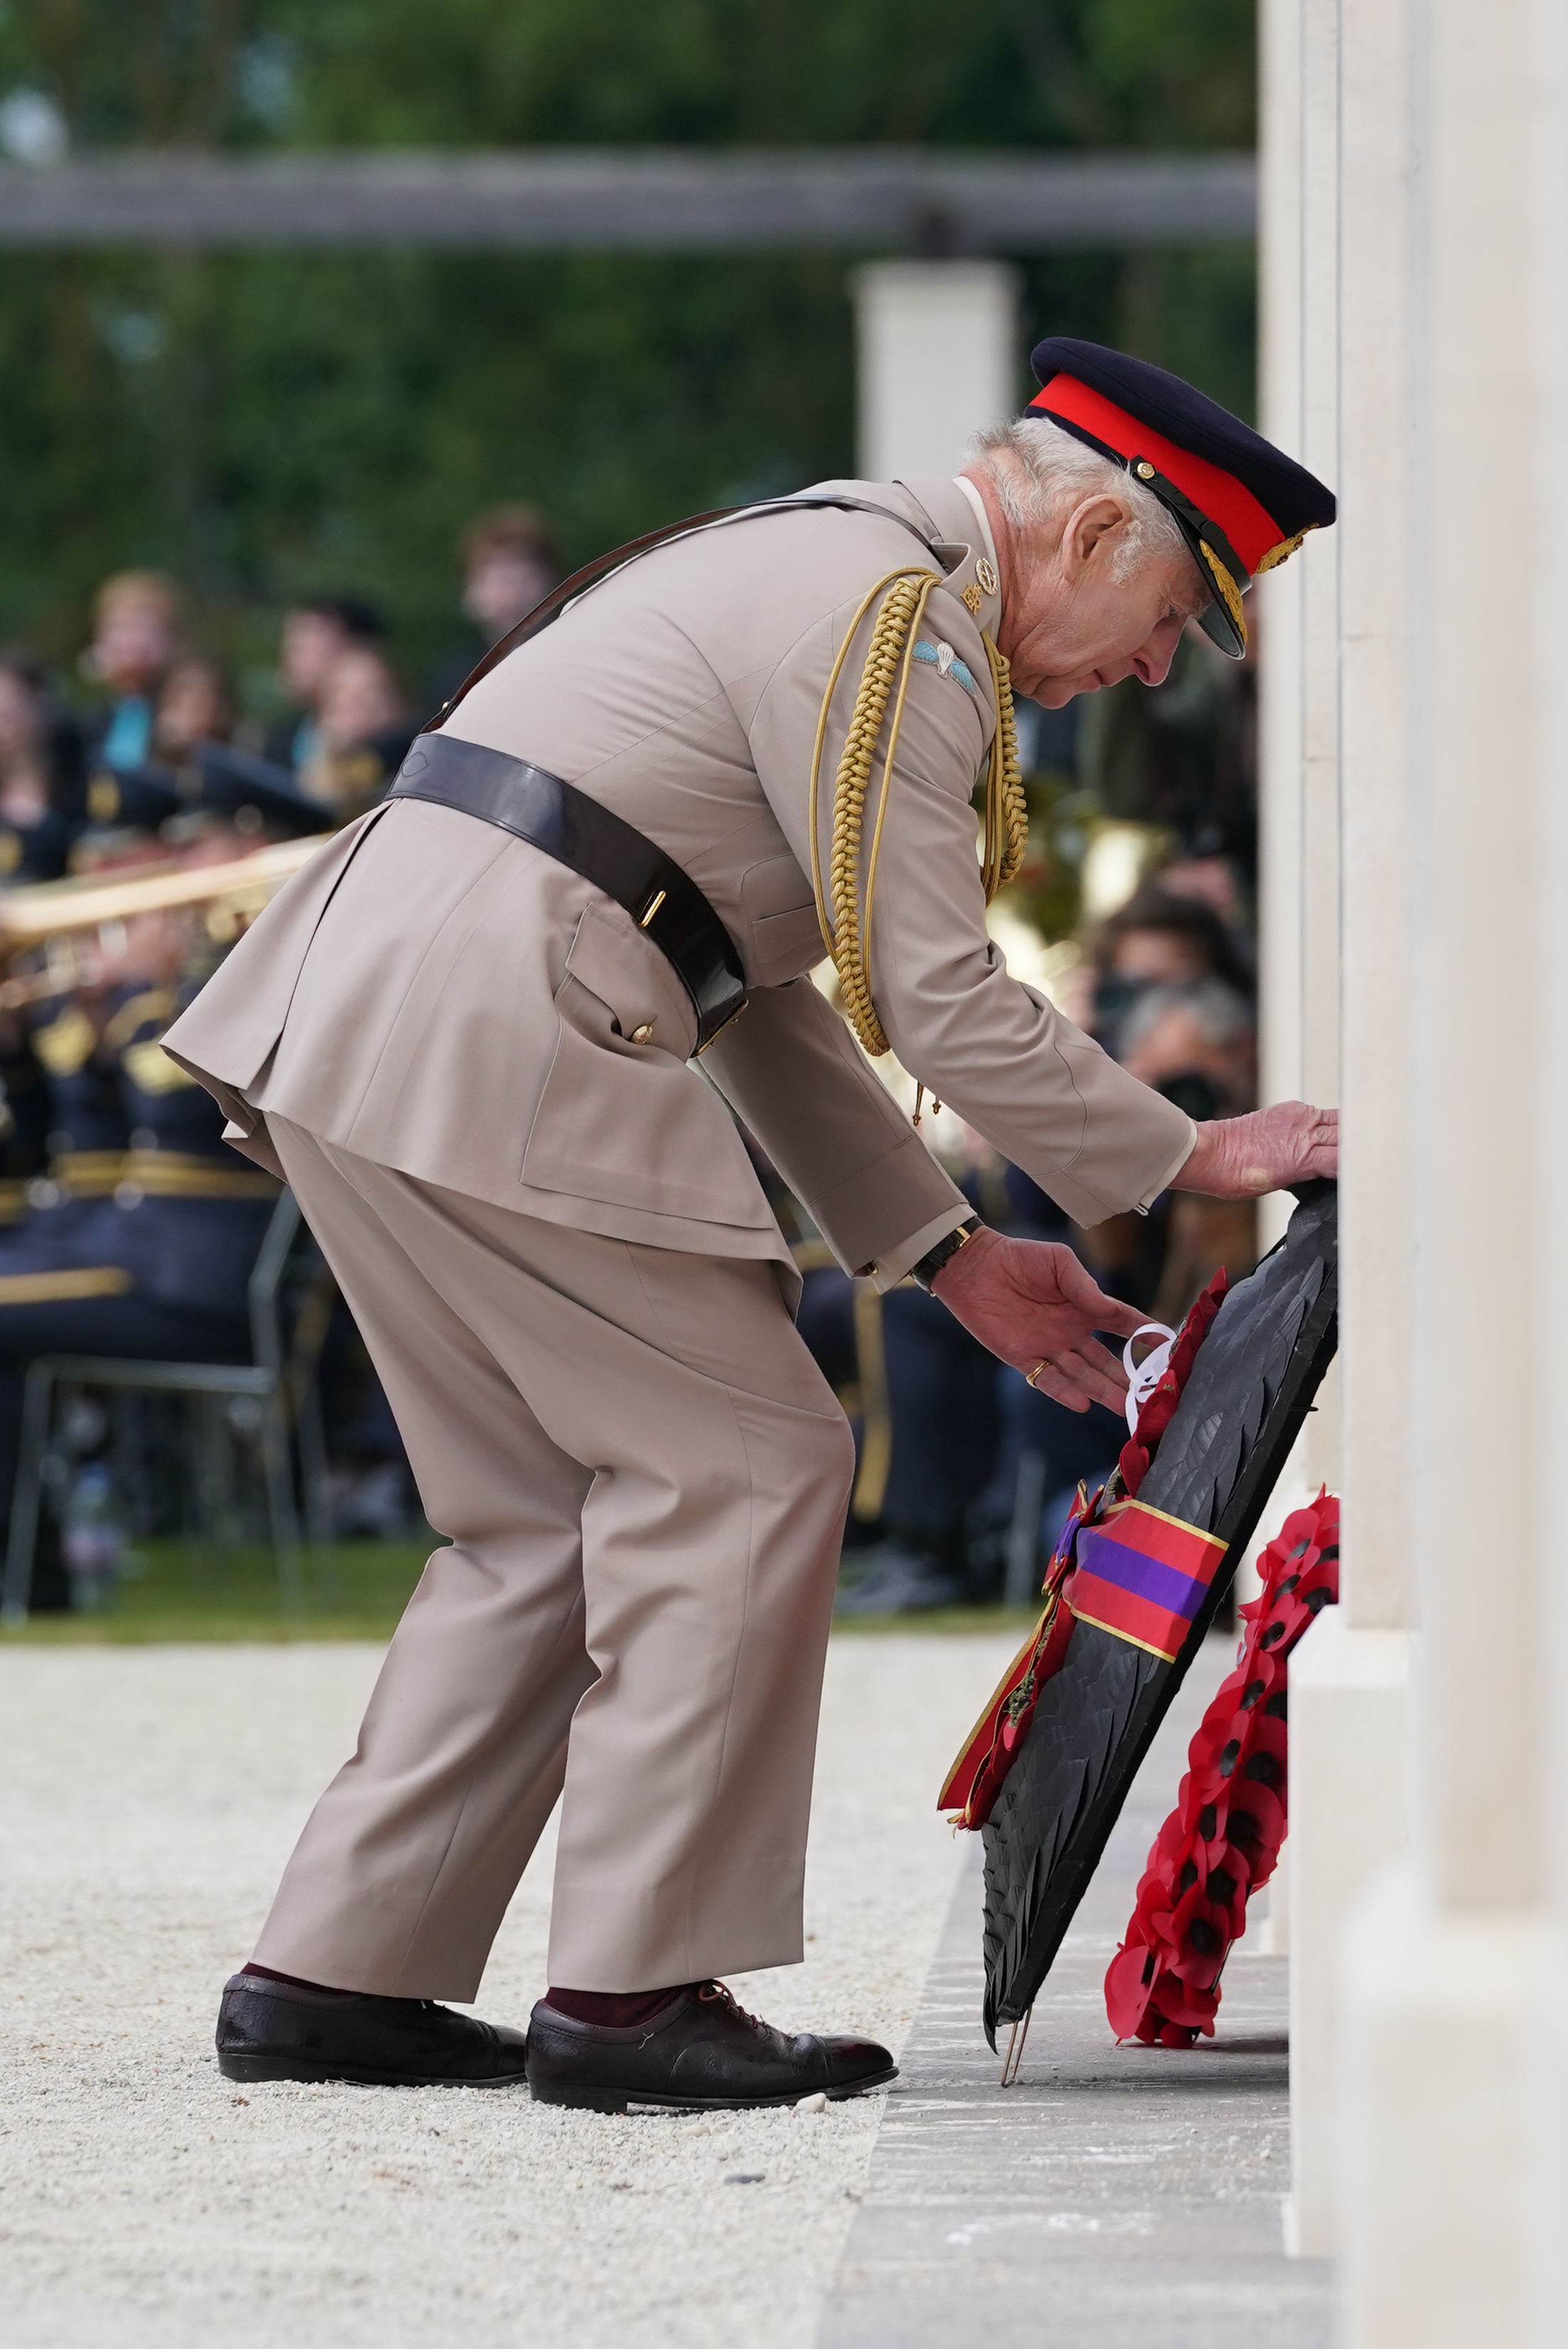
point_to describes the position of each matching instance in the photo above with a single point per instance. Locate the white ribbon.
(1144, 1376)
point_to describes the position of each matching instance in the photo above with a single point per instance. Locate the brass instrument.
(57, 916)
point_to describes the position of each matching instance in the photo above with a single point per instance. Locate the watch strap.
(946, 1249)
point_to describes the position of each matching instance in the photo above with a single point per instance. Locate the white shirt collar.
(978, 502)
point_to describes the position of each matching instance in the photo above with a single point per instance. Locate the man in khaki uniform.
(468, 1042)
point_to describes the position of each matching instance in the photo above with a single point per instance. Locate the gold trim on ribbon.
(1166, 1655)
(1115, 1509)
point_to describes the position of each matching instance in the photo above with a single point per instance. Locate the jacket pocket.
(622, 1117)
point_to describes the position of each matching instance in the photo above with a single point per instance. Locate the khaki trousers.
(643, 1477)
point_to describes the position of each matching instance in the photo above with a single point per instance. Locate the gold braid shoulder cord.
(845, 931)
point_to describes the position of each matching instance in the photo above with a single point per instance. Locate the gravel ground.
(148, 1798)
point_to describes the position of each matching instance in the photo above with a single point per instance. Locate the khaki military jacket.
(436, 995)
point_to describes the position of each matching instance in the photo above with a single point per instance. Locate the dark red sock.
(618, 2010)
(296, 1981)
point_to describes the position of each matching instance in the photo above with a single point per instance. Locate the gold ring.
(1029, 1376)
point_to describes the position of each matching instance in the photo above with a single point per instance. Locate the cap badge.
(985, 572)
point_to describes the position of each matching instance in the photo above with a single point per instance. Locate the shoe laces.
(718, 1993)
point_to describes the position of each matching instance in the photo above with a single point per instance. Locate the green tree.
(264, 423)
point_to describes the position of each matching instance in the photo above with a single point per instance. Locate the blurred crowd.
(128, 1230)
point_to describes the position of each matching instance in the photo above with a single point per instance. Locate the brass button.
(1145, 470)
(640, 1035)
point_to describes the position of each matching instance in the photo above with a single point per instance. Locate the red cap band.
(1251, 531)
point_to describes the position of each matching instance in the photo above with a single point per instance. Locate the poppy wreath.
(975, 1780)
(1222, 1841)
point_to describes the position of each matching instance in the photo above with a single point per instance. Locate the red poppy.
(1222, 1840)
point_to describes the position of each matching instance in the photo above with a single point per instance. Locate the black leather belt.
(577, 831)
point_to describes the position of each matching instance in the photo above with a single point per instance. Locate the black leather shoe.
(281, 2031)
(699, 2053)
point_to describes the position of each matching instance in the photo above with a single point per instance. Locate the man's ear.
(1086, 525)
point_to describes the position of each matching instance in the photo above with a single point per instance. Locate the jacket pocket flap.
(775, 885)
(635, 978)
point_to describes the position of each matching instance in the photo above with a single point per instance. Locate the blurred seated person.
(1197, 1043)
(195, 705)
(148, 1227)
(1194, 1041)
(60, 1034)
(1159, 939)
(217, 787)
(1159, 942)
(933, 1390)
(314, 633)
(510, 560)
(363, 731)
(138, 617)
(41, 775)
(1211, 878)
(221, 790)
(927, 1391)
(1043, 1451)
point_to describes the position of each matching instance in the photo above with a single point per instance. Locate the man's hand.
(1242, 1157)
(1034, 1304)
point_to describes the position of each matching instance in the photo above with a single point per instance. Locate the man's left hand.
(1243, 1157)
(1032, 1303)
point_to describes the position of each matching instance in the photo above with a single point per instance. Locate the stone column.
(938, 356)
(1349, 1728)
(1296, 607)
(1451, 2005)
(1276, 604)
(1549, 58)
(1295, 612)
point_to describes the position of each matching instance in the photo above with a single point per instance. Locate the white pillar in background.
(1453, 2008)
(1295, 610)
(1296, 606)
(1550, 882)
(1276, 601)
(937, 358)
(1349, 1798)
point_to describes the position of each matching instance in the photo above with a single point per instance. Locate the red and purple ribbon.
(1142, 1577)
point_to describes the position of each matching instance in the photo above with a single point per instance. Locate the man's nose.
(1152, 660)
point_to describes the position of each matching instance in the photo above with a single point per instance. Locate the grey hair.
(1040, 474)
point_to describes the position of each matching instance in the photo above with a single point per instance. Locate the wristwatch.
(946, 1249)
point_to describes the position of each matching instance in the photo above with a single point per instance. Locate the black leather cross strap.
(574, 829)
(577, 831)
(552, 606)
